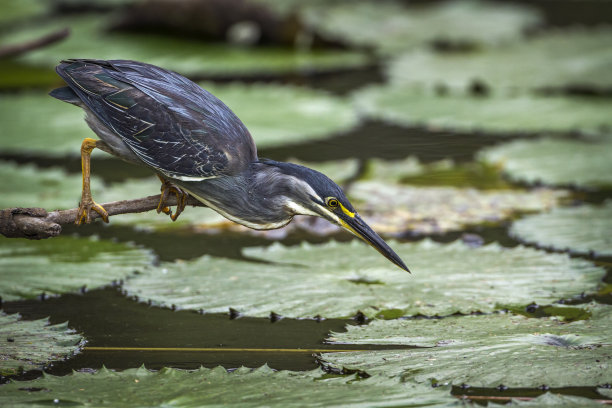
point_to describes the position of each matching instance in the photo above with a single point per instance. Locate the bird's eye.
(332, 202)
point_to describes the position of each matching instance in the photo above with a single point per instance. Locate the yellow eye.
(332, 202)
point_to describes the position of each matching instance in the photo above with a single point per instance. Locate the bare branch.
(18, 49)
(37, 223)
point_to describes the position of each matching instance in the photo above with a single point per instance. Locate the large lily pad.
(188, 57)
(216, 387)
(30, 345)
(391, 26)
(496, 114)
(487, 350)
(557, 401)
(275, 115)
(64, 264)
(308, 280)
(585, 229)
(398, 209)
(555, 162)
(49, 188)
(578, 57)
(280, 115)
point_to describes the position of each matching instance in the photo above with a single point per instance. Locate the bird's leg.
(168, 188)
(87, 203)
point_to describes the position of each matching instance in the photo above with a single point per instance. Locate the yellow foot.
(168, 188)
(85, 208)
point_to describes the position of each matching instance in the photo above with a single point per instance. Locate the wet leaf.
(582, 229)
(555, 162)
(275, 115)
(556, 400)
(496, 114)
(278, 115)
(397, 209)
(189, 57)
(327, 280)
(31, 186)
(216, 387)
(31, 344)
(64, 264)
(556, 59)
(391, 26)
(486, 350)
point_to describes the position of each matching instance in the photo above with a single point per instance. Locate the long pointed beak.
(358, 227)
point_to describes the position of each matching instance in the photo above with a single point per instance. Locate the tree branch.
(47, 39)
(37, 223)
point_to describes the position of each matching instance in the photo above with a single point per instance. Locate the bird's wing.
(170, 123)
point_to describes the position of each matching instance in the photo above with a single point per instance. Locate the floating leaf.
(557, 401)
(189, 57)
(555, 162)
(308, 280)
(216, 387)
(30, 345)
(495, 114)
(486, 350)
(582, 229)
(279, 115)
(275, 115)
(64, 264)
(579, 57)
(31, 186)
(397, 209)
(391, 26)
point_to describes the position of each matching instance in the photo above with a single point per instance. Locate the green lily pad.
(555, 162)
(30, 345)
(308, 280)
(216, 387)
(395, 209)
(64, 264)
(18, 10)
(557, 401)
(583, 230)
(90, 39)
(486, 350)
(275, 115)
(278, 115)
(495, 114)
(49, 188)
(391, 26)
(579, 57)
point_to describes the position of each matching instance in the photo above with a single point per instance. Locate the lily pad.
(189, 57)
(495, 114)
(486, 350)
(216, 387)
(275, 115)
(397, 209)
(18, 10)
(64, 264)
(585, 229)
(578, 57)
(555, 162)
(308, 280)
(557, 401)
(278, 115)
(31, 344)
(31, 186)
(391, 26)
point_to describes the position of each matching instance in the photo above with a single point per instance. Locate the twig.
(37, 223)
(47, 39)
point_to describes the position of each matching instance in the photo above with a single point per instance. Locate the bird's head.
(313, 193)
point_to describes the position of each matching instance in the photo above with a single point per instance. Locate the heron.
(197, 146)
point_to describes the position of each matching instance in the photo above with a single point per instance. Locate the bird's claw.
(168, 188)
(85, 208)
